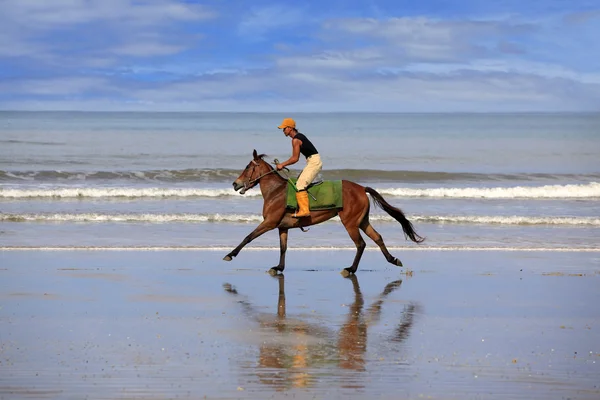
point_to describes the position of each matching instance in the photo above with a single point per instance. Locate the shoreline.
(312, 248)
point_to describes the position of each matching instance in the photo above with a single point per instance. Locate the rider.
(301, 144)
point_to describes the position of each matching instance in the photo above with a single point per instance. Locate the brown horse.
(354, 214)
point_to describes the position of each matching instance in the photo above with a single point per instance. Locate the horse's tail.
(397, 214)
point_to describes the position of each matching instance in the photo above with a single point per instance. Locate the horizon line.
(293, 112)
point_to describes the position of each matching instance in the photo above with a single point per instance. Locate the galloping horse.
(354, 213)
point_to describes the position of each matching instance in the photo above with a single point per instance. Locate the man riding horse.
(301, 145)
(353, 210)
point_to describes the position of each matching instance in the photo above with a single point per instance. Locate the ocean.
(77, 180)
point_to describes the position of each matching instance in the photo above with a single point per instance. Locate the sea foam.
(255, 219)
(575, 191)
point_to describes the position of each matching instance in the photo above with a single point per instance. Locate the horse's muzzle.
(238, 185)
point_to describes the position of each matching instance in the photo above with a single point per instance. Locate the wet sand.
(185, 324)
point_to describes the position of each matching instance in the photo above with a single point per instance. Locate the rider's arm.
(296, 143)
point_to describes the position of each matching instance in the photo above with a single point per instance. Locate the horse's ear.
(255, 154)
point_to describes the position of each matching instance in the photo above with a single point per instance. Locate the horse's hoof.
(397, 262)
(227, 258)
(346, 273)
(229, 289)
(278, 269)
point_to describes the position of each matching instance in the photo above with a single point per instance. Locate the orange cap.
(287, 122)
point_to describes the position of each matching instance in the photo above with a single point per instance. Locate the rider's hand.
(279, 167)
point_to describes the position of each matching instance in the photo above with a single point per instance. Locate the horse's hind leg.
(376, 237)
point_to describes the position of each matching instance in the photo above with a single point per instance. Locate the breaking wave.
(184, 175)
(574, 191)
(228, 175)
(118, 192)
(580, 191)
(250, 218)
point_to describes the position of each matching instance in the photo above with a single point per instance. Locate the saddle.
(322, 195)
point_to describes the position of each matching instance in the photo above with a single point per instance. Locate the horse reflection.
(293, 348)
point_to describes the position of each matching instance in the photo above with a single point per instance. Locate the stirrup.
(316, 183)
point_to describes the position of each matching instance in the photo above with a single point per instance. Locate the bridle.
(252, 182)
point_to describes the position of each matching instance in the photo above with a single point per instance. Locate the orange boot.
(302, 198)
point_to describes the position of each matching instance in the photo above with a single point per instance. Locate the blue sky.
(389, 56)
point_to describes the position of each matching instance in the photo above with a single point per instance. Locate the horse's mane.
(261, 157)
(271, 168)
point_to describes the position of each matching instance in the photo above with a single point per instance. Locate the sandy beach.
(184, 324)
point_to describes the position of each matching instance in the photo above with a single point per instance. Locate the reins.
(255, 180)
(258, 178)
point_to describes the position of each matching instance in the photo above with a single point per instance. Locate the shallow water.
(164, 179)
(166, 324)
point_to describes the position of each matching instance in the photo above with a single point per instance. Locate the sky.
(303, 56)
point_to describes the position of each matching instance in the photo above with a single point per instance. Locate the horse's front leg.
(264, 226)
(283, 236)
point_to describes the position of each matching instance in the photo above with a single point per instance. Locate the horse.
(354, 213)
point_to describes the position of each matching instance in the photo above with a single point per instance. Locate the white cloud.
(304, 91)
(39, 15)
(582, 17)
(55, 86)
(390, 64)
(145, 49)
(123, 27)
(516, 67)
(347, 59)
(259, 21)
(421, 38)
(13, 46)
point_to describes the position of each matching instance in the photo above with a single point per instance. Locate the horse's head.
(250, 176)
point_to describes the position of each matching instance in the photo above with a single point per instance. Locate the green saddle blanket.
(328, 195)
